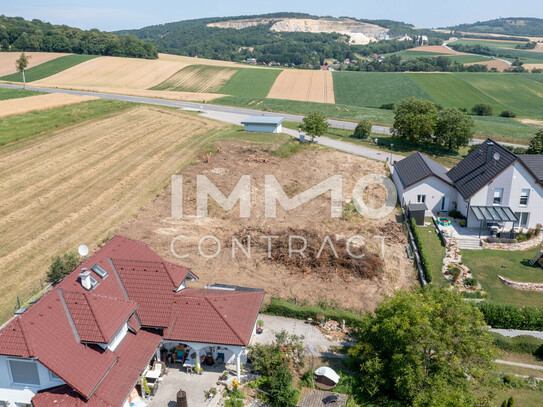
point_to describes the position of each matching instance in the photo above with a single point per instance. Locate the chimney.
(85, 278)
(489, 148)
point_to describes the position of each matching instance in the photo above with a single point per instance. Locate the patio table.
(153, 374)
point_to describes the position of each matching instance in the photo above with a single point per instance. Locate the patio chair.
(160, 365)
(179, 356)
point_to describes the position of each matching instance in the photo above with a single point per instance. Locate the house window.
(24, 372)
(421, 198)
(498, 193)
(523, 218)
(525, 193)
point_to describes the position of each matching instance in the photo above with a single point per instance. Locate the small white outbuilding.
(263, 124)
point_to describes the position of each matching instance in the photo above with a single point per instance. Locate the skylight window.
(100, 271)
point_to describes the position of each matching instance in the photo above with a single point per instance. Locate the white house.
(490, 185)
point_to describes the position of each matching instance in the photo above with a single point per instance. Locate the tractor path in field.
(207, 108)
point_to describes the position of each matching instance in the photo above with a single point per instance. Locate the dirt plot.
(499, 65)
(7, 60)
(438, 49)
(307, 86)
(40, 102)
(155, 225)
(197, 78)
(73, 186)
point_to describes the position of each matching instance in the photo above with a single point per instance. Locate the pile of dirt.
(310, 252)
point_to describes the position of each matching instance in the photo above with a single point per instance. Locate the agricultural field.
(534, 56)
(75, 184)
(48, 68)
(373, 89)
(7, 60)
(6, 94)
(304, 85)
(251, 82)
(197, 78)
(39, 102)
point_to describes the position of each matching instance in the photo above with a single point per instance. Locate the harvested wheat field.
(311, 280)
(529, 67)
(40, 102)
(197, 78)
(7, 60)
(499, 65)
(438, 49)
(307, 86)
(75, 185)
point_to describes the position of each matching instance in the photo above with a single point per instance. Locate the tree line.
(18, 34)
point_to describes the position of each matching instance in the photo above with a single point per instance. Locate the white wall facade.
(22, 394)
(434, 189)
(513, 180)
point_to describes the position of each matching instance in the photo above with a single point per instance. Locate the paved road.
(526, 365)
(516, 332)
(208, 108)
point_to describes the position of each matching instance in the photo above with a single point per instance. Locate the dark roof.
(534, 164)
(414, 207)
(263, 120)
(474, 172)
(417, 167)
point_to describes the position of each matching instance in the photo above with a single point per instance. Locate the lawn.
(435, 252)
(466, 59)
(48, 68)
(373, 89)
(40, 121)
(486, 265)
(503, 129)
(6, 94)
(251, 82)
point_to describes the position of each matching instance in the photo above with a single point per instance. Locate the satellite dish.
(497, 156)
(83, 250)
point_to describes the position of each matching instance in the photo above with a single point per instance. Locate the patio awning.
(494, 213)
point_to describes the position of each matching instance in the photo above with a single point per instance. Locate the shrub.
(62, 266)
(518, 344)
(387, 106)
(455, 214)
(508, 113)
(456, 273)
(423, 255)
(507, 379)
(507, 316)
(511, 402)
(470, 282)
(463, 222)
(363, 129)
(539, 352)
(482, 109)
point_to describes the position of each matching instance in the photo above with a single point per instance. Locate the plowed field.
(307, 86)
(7, 60)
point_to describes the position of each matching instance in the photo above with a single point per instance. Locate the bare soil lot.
(499, 65)
(307, 86)
(40, 102)
(75, 185)
(7, 60)
(300, 171)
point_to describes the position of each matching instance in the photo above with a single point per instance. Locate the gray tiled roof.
(534, 164)
(474, 172)
(416, 167)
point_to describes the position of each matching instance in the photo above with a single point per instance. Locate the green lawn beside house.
(436, 253)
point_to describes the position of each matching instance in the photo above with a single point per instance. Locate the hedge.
(504, 316)
(289, 309)
(518, 344)
(423, 256)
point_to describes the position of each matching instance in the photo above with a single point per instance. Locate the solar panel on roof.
(100, 271)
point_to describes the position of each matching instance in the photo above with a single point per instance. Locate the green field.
(451, 91)
(48, 68)
(6, 94)
(407, 54)
(486, 265)
(508, 48)
(515, 92)
(467, 59)
(251, 82)
(31, 124)
(373, 89)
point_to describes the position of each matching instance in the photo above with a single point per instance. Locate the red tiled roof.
(13, 341)
(134, 323)
(151, 286)
(214, 316)
(65, 396)
(92, 316)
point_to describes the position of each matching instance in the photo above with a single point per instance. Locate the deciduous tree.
(536, 143)
(415, 120)
(454, 129)
(314, 125)
(21, 65)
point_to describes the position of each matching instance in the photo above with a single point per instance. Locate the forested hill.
(18, 34)
(196, 38)
(509, 26)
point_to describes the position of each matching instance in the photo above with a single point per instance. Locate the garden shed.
(417, 211)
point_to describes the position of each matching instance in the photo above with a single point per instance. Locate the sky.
(126, 14)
